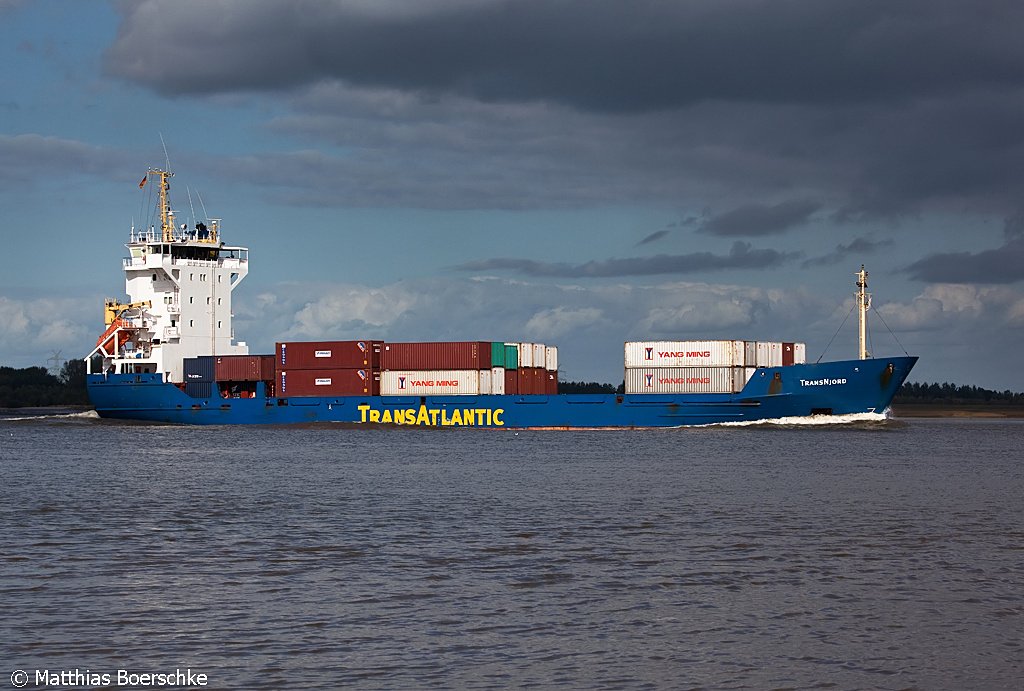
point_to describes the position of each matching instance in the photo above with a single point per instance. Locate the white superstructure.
(179, 283)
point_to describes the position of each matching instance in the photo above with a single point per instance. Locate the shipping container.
(430, 383)
(551, 388)
(787, 354)
(268, 367)
(532, 380)
(498, 380)
(539, 355)
(748, 372)
(198, 369)
(485, 383)
(769, 354)
(750, 353)
(511, 356)
(511, 382)
(685, 380)
(525, 352)
(551, 359)
(328, 382)
(497, 354)
(242, 367)
(799, 353)
(446, 355)
(199, 389)
(329, 355)
(684, 354)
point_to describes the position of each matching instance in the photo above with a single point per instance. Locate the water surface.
(867, 555)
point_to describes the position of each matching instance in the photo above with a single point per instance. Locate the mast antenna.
(167, 158)
(206, 214)
(192, 208)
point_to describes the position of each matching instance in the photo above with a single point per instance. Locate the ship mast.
(166, 215)
(863, 298)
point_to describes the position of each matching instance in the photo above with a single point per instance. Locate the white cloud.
(561, 321)
(955, 306)
(35, 328)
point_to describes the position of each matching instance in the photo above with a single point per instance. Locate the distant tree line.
(35, 387)
(909, 393)
(588, 387)
(951, 393)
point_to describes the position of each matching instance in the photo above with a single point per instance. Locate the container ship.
(168, 354)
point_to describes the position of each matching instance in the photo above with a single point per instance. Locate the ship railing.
(148, 235)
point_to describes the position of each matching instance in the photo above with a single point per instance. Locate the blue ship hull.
(836, 388)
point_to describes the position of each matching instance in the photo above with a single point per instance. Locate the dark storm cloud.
(859, 247)
(875, 108)
(653, 237)
(603, 55)
(1001, 265)
(740, 256)
(752, 220)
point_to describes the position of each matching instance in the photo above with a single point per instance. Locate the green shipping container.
(511, 356)
(497, 354)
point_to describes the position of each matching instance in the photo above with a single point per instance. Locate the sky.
(573, 172)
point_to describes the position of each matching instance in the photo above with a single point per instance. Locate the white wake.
(811, 420)
(84, 415)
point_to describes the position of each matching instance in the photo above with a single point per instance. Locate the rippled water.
(868, 555)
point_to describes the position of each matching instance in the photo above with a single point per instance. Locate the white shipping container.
(486, 382)
(684, 354)
(748, 372)
(539, 355)
(799, 353)
(551, 359)
(750, 353)
(769, 354)
(525, 355)
(430, 383)
(685, 380)
(498, 381)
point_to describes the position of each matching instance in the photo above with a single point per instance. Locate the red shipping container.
(532, 380)
(238, 367)
(328, 382)
(445, 355)
(267, 369)
(788, 351)
(511, 382)
(551, 383)
(328, 354)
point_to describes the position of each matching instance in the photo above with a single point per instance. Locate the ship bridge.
(179, 281)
